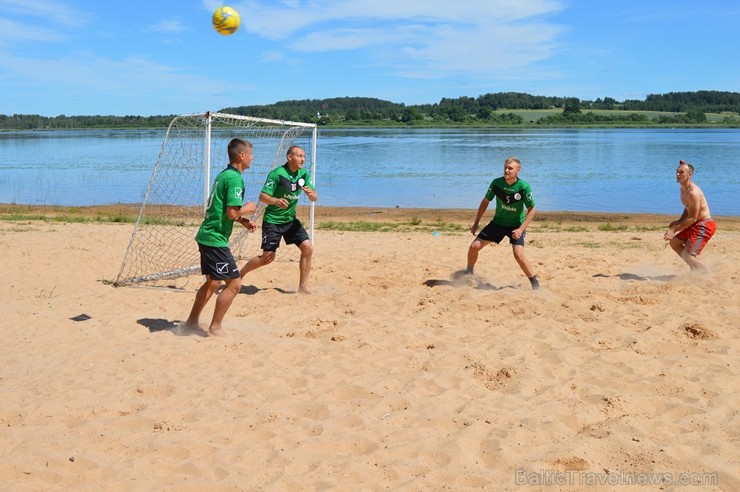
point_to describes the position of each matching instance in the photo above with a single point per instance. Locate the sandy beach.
(620, 373)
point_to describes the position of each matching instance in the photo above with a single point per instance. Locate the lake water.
(606, 170)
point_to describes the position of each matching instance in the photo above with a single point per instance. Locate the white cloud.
(272, 56)
(429, 38)
(280, 20)
(53, 12)
(40, 20)
(132, 75)
(169, 26)
(12, 32)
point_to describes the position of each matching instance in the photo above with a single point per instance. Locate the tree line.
(63, 122)
(499, 109)
(493, 109)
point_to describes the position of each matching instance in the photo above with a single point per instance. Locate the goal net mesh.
(162, 251)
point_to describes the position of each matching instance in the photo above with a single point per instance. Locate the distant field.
(536, 114)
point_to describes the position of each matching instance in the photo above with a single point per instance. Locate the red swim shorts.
(697, 235)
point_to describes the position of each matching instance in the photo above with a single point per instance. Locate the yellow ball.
(226, 20)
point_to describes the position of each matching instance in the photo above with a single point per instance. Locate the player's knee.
(519, 254)
(267, 257)
(234, 283)
(306, 248)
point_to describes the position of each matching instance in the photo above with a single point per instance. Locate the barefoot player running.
(216, 260)
(281, 192)
(692, 231)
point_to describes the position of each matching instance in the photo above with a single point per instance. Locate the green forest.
(503, 109)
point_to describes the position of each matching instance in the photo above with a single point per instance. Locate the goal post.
(162, 250)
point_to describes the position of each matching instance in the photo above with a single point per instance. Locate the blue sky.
(83, 57)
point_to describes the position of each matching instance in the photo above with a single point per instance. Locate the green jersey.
(281, 183)
(510, 201)
(228, 191)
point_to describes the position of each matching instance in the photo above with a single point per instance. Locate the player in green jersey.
(514, 211)
(216, 261)
(281, 192)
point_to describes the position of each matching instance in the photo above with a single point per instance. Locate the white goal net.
(162, 251)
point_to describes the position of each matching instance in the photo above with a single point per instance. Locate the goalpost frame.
(169, 155)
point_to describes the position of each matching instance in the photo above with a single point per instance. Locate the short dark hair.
(237, 145)
(292, 148)
(684, 163)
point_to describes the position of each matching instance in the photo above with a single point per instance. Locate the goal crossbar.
(162, 247)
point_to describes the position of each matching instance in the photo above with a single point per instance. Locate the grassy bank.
(366, 219)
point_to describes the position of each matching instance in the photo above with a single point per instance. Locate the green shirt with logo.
(228, 191)
(281, 183)
(511, 201)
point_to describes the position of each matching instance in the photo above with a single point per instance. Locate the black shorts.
(217, 263)
(495, 233)
(292, 232)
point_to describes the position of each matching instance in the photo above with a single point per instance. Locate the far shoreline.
(429, 126)
(122, 212)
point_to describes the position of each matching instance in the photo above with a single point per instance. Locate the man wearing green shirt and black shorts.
(281, 192)
(216, 261)
(512, 196)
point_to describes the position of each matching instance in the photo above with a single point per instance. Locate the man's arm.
(528, 217)
(267, 199)
(237, 214)
(481, 210)
(271, 200)
(310, 193)
(689, 216)
(233, 212)
(680, 219)
(517, 233)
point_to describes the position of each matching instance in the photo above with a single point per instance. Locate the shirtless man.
(691, 232)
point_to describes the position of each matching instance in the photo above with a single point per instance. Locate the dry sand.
(623, 368)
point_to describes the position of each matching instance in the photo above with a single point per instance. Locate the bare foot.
(218, 332)
(462, 273)
(699, 271)
(303, 290)
(188, 328)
